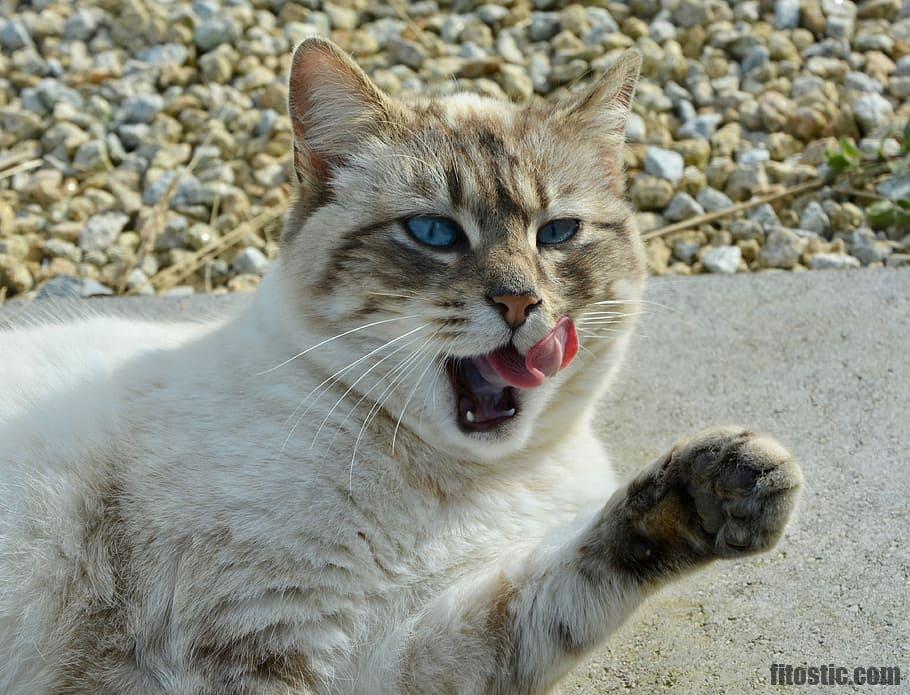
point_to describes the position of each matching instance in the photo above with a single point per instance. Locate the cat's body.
(307, 497)
(207, 481)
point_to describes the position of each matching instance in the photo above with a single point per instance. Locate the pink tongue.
(555, 352)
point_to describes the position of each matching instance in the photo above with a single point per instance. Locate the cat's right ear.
(334, 108)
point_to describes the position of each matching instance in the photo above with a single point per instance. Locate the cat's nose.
(515, 307)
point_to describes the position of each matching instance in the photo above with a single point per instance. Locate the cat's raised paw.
(723, 493)
(743, 486)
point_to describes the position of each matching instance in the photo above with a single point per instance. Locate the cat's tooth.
(469, 416)
(510, 412)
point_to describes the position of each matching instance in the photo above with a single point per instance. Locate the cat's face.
(468, 245)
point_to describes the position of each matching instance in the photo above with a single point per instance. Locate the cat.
(380, 474)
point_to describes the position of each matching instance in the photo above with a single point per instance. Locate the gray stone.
(141, 108)
(873, 112)
(899, 87)
(81, 25)
(691, 13)
(52, 92)
(70, 287)
(206, 8)
(713, 200)
(407, 52)
(544, 26)
(722, 259)
(132, 135)
(601, 20)
(814, 218)
(58, 248)
(251, 260)
(155, 190)
(765, 216)
(508, 48)
(539, 69)
(702, 126)
(861, 82)
(756, 155)
(686, 250)
(215, 31)
(492, 14)
(682, 207)
(746, 181)
(786, 14)
(868, 249)
(782, 249)
(14, 35)
(665, 164)
(833, 261)
(102, 230)
(662, 31)
(164, 54)
(91, 156)
(895, 187)
(138, 283)
(636, 130)
(758, 57)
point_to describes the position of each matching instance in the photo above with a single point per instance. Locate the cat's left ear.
(604, 107)
(334, 108)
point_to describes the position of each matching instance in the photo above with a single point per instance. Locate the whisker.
(374, 411)
(637, 301)
(344, 369)
(431, 389)
(396, 295)
(357, 381)
(602, 322)
(335, 337)
(411, 395)
(401, 366)
(335, 375)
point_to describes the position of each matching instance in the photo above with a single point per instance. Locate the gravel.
(782, 249)
(722, 259)
(665, 164)
(123, 122)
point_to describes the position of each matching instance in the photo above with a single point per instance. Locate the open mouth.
(488, 388)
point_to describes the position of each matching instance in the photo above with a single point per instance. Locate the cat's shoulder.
(58, 371)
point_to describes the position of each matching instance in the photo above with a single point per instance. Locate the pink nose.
(515, 307)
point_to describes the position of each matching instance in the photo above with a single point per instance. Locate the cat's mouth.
(488, 388)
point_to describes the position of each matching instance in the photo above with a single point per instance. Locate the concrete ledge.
(820, 360)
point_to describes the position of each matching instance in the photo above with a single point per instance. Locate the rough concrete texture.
(823, 363)
(820, 360)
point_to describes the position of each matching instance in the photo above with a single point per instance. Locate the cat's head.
(464, 249)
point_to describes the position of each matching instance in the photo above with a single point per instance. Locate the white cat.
(380, 476)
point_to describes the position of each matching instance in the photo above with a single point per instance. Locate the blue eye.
(440, 232)
(557, 231)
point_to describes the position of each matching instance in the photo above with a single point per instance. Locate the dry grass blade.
(158, 220)
(175, 274)
(729, 212)
(25, 166)
(862, 195)
(14, 158)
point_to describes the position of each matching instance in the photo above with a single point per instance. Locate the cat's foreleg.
(520, 628)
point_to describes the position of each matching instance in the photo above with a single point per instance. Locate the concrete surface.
(821, 360)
